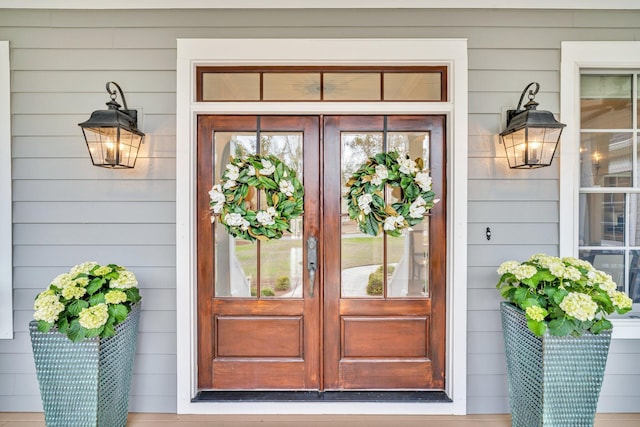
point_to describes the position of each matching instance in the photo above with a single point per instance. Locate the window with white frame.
(600, 183)
(609, 195)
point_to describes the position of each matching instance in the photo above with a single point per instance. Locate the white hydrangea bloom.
(508, 267)
(572, 273)
(524, 271)
(536, 313)
(83, 268)
(579, 306)
(62, 280)
(47, 306)
(621, 300)
(94, 317)
(115, 296)
(73, 292)
(126, 279)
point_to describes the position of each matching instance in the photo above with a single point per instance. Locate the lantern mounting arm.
(531, 105)
(113, 105)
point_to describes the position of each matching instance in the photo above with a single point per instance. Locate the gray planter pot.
(86, 383)
(553, 381)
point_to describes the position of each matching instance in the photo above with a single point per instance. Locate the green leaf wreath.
(365, 195)
(88, 301)
(230, 199)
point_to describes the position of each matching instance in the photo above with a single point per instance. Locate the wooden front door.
(374, 319)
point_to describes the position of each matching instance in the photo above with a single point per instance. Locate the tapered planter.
(86, 383)
(553, 381)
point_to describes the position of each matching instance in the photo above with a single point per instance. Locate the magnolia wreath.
(231, 200)
(365, 195)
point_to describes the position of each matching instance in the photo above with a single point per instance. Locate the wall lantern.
(531, 136)
(112, 135)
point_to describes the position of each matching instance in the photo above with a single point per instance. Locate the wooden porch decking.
(30, 419)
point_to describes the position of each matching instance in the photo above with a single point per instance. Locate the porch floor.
(31, 419)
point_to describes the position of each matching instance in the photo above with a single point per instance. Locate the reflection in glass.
(606, 159)
(605, 101)
(291, 87)
(362, 262)
(602, 219)
(351, 86)
(409, 254)
(412, 86)
(281, 265)
(634, 275)
(231, 86)
(611, 262)
(235, 265)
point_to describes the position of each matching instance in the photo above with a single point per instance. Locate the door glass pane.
(602, 219)
(412, 86)
(408, 260)
(362, 262)
(605, 101)
(351, 86)
(606, 159)
(280, 261)
(356, 149)
(291, 87)
(231, 86)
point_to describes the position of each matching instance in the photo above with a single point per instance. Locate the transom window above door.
(397, 84)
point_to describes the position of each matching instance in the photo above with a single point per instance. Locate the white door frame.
(310, 52)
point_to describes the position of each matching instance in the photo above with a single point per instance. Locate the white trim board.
(574, 57)
(6, 269)
(450, 52)
(323, 4)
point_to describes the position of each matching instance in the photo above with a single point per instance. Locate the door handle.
(312, 262)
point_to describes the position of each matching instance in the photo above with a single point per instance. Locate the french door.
(372, 317)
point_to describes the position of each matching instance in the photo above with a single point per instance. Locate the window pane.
(602, 219)
(634, 219)
(231, 86)
(606, 159)
(351, 86)
(408, 261)
(611, 262)
(634, 276)
(362, 262)
(605, 101)
(291, 87)
(412, 86)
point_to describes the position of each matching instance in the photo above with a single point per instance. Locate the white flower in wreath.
(407, 166)
(423, 180)
(233, 172)
(287, 187)
(229, 184)
(264, 218)
(267, 167)
(251, 171)
(217, 198)
(393, 222)
(236, 220)
(272, 211)
(381, 174)
(364, 202)
(417, 208)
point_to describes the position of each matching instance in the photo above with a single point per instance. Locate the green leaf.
(76, 333)
(63, 325)
(521, 295)
(133, 295)
(96, 298)
(94, 332)
(44, 326)
(119, 312)
(536, 327)
(560, 327)
(76, 307)
(108, 331)
(601, 325)
(95, 284)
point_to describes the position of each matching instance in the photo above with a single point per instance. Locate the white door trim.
(450, 52)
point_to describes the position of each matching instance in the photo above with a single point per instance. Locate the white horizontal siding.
(66, 211)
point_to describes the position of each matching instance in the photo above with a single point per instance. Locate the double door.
(372, 317)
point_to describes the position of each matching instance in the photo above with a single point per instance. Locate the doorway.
(373, 318)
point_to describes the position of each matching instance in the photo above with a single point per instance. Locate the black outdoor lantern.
(531, 136)
(112, 135)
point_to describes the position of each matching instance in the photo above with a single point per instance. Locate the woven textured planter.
(86, 383)
(553, 381)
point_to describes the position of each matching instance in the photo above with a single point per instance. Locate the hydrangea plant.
(567, 296)
(88, 301)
